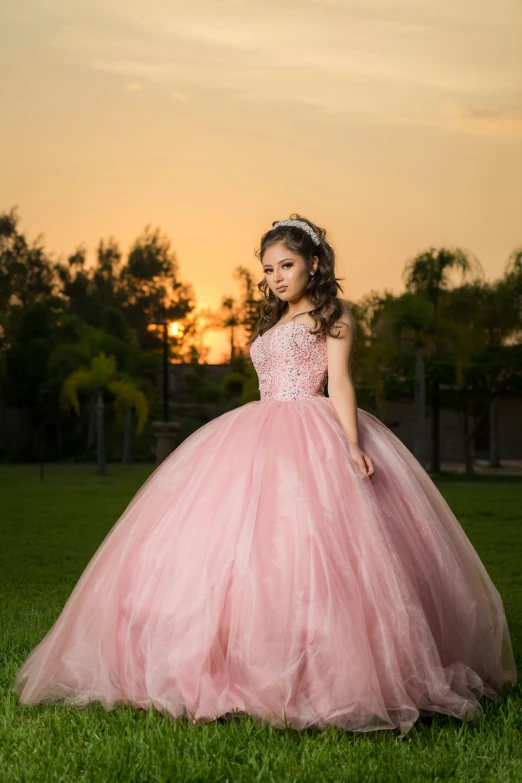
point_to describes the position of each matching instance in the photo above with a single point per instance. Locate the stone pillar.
(165, 432)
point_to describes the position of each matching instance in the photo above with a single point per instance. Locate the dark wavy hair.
(322, 286)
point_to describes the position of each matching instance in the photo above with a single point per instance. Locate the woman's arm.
(341, 390)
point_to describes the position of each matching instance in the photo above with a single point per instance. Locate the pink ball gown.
(258, 571)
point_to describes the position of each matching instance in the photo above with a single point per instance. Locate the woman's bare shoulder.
(345, 323)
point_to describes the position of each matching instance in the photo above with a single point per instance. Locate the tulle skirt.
(258, 571)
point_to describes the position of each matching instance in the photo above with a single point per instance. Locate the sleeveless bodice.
(290, 362)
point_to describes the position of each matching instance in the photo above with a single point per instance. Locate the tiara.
(300, 224)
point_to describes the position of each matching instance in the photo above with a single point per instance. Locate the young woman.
(290, 559)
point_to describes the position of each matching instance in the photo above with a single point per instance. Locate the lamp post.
(164, 430)
(165, 324)
(165, 373)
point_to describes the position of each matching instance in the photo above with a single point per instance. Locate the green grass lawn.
(50, 530)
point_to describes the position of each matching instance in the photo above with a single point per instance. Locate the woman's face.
(286, 273)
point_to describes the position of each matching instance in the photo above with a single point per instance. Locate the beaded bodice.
(290, 362)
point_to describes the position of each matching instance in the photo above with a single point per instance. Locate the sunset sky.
(395, 125)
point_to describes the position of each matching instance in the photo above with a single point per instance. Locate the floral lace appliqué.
(290, 362)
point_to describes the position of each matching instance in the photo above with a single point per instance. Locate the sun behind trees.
(59, 319)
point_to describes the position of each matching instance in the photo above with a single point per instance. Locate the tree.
(371, 353)
(27, 383)
(129, 398)
(150, 279)
(238, 315)
(189, 347)
(412, 323)
(80, 343)
(430, 273)
(231, 320)
(26, 274)
(98, 377)
(249, 301)
(487, 317)
(145, 287)
(89, 290)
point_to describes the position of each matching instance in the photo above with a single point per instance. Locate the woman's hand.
(364, 462)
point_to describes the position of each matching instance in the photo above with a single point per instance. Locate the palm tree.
(99, 376)
(430, 273)
(486, 322)
(129, 397)
(82, 343)
(231, 320)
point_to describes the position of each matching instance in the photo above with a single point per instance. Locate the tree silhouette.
(99, 376)
(430, 273)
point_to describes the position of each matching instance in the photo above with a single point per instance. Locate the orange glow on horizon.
(394, 127)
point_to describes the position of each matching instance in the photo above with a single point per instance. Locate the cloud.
(397, 61)
(495, 114)
(485, 119)
(134, 87)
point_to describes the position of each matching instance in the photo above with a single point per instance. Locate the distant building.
(398, 417)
